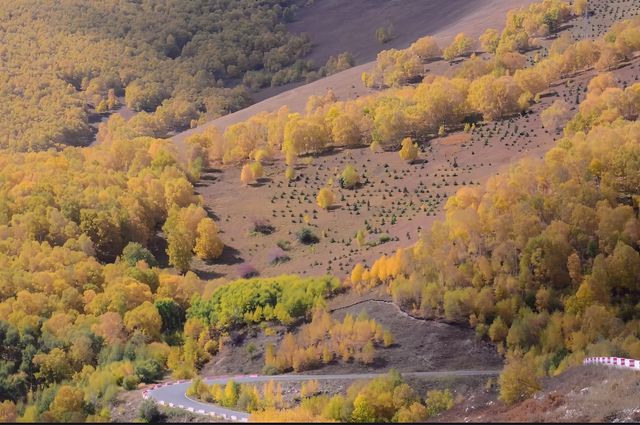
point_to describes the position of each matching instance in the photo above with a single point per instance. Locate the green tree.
(172, 314)
(134, 252)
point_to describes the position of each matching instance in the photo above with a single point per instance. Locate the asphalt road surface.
(174, 394)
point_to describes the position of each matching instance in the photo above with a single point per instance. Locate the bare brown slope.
(419, 345)
(582, 394)
(336, 26)
(474, 16)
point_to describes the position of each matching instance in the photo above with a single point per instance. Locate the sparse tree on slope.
(409, 150)
(325, 198)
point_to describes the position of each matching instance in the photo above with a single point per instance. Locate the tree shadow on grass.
(208, 274)
(418, 161)
(212, 215)
(261, 182)
(230, 256)
(158, 247)
(209, 177)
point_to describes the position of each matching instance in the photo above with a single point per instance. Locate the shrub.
(307, 237)
(385, 34)
(251, 349)
(148, 411)
(284, 245)
(270, 370)
(261, 225)
(338, 63)
(438, 401)
(148, 371)
(277, 256)
(130, 382)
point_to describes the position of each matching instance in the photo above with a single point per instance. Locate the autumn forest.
(482, 191)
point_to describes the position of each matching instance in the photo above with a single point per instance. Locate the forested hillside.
(63, 61)
(97, 243)
(544, 260)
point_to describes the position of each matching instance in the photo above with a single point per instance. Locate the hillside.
(348, 84)
(401, 199)
(69, 64)
(445, 235)
(581, 394)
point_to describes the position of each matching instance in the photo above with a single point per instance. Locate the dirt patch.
(455, 139)
(336, 26)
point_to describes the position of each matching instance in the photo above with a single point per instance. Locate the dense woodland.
(86, 310)
(64, 59)
(543, 260)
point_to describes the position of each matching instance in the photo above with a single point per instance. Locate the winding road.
(173, 394)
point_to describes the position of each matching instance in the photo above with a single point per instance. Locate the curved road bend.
(174, 394)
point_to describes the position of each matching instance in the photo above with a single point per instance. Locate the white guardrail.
(234, 418)
(614, 362)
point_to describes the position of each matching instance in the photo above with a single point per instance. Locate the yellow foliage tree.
(461, 45)
(356, 273)
(67, 406)
(409, 150)
(309, 388)
(8, 412)
(555, 115)
(349, 177)
(257, 169)
(580, 7)
(145, 319)
(518, 380)
(290, 173)
(325, 198)
(426, 48)
(361, 237)
(246, 174)
(208, 244)
(489, 40)
(494, 96)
